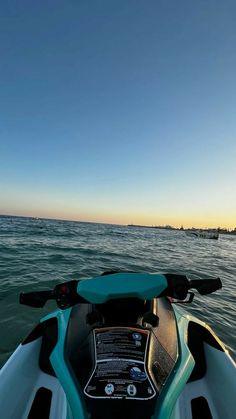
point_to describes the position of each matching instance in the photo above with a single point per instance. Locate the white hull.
(202, 234)
(21, 378)
(218, 388)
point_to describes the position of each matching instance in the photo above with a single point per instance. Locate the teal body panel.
(180, 374)
(173, 386)
(101, 289)
(98, 290)
(169, 394)
(185, 363)
(76, 402)
(122, 285)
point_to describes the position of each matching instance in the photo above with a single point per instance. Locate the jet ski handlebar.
(66, 294)
(179, 285)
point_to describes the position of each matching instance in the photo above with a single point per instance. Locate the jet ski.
(120, 345)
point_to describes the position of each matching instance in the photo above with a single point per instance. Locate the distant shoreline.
(217, 230)
(160, 227)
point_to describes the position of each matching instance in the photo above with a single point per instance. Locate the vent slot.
(41, 404)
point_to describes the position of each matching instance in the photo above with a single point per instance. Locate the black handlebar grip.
(35, 299)
(206, 286)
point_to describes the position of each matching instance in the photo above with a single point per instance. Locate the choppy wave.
(37, 254)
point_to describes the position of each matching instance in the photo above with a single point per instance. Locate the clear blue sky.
(119, 111)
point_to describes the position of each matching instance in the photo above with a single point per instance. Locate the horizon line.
(119, 224)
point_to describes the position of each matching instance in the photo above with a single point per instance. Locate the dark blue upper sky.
(119, 111)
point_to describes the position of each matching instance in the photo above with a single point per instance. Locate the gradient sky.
(119, 111)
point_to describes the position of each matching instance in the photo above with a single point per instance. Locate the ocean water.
(38, 254)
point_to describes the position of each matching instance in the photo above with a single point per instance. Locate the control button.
(131, 390)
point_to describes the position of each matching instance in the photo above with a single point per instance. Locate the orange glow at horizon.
(227, 221)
